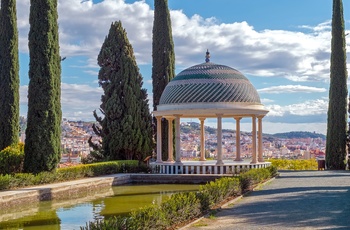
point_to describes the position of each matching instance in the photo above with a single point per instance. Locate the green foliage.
(220, 189)
(254, 177)
(9, 75)
(43, 133)
(19, 180)
(11, 159)
(338, 93)
(288, 164)
(182, 207)
(126, 128)
(163, 61)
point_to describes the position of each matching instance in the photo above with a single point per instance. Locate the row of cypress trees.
(43, 134)
(126, 126)
(42, 148)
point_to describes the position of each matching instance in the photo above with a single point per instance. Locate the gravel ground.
(294, 200)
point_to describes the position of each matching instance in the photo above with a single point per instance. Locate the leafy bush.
(298, 164)
(11, 159)
(220, 189)
(253, 177)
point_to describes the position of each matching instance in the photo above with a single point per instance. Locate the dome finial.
(207, 56)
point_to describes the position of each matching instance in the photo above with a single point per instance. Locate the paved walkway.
(295, 200)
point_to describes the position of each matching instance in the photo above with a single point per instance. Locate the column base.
(219, 162)
(238, 159)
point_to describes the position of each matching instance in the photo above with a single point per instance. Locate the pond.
(71, 214)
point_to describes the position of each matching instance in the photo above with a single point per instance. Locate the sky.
(283, 47)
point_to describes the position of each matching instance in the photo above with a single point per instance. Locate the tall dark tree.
(9, 75)
(126, 126)
(43, 133)
(338, 92)
(163, 54)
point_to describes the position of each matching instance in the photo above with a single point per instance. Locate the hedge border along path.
(227, 204)
(184, 207)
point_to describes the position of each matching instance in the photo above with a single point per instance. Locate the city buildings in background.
(75, 136)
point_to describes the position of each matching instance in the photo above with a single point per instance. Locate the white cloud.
(306, 108)
(296, 56)
(266, 100)
(83, 25)
(78, 101)
(291, 89)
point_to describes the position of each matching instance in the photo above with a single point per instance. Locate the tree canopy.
(9, 75)
(126, 125)
(43, 133)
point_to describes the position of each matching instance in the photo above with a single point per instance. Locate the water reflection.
(73, 213)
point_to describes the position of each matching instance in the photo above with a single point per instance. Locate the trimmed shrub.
(220, 189)
(11, 159)
(70, 173)
(182, 207)
(299, 164)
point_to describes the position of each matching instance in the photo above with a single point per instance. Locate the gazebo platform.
(206, 167)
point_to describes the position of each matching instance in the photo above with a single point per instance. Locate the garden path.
(294, 200)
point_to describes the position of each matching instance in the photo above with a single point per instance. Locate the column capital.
(237, 118)
(202, 118)
(219, 114)
(170, 118)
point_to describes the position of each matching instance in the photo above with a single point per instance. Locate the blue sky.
(283, 47)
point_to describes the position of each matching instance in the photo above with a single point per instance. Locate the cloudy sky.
(283, 47)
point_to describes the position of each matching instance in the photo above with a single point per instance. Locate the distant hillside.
(296, 134)
(194, 127)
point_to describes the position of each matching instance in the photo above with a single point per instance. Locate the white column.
(202, 158)
(260, 143)
(170, 139)
(238, 139)
(219, 139)
(177, 139)
(159, 139)
(254, 160)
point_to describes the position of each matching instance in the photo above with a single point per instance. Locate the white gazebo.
(203, 91)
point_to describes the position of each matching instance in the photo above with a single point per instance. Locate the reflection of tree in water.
(45, 217)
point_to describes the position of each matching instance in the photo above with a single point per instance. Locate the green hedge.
(299, 164)
(18, 180)
(183, 207)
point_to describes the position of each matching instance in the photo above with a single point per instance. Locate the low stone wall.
(59, 191)
(89, 186)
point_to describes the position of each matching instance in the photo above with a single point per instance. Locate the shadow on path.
(296, 199)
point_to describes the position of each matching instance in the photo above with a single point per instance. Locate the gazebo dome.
(210, 87)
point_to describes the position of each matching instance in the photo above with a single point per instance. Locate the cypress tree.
(163, 69)
(43, 133)
(126, 127)
(9, 75)
(337, 109)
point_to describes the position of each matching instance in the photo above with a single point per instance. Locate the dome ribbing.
(209, 83)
